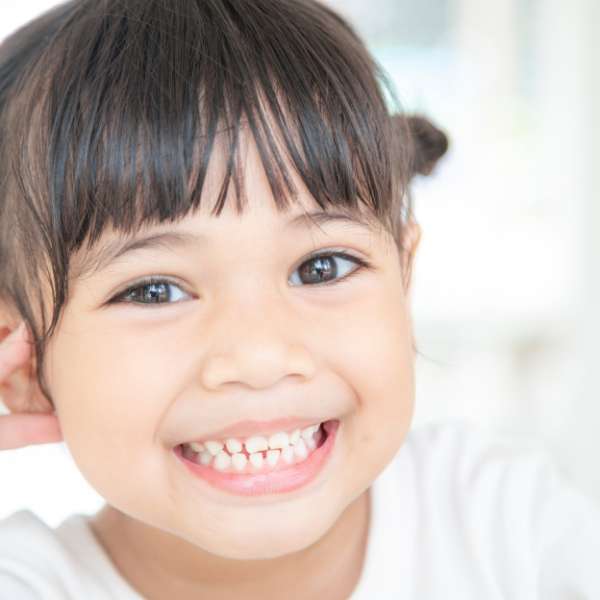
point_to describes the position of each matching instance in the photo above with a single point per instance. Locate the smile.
(282, 462)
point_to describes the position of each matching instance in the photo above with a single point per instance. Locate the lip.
(247, 428)
(279, 481)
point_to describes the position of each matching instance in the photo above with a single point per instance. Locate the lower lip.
(280, 481)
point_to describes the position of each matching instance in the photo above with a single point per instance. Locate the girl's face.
(241, 333)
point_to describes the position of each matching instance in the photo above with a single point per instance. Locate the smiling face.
(240, 331)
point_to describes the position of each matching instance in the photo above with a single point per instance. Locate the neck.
(157, 563)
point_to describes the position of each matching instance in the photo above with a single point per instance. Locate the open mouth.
(282, 462)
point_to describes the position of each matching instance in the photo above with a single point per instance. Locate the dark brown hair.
(109, 112)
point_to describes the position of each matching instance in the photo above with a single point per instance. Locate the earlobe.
(8, 321)
(20, 391)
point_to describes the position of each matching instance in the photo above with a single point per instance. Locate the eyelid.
(332, 250)
(339, 252)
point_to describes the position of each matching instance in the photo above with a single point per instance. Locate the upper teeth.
(256, 443)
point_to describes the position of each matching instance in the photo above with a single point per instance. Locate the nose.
(261, 347)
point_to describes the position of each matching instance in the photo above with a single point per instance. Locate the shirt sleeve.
(567, 527)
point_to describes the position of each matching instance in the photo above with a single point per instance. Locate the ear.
(20, 391)
(411, 236)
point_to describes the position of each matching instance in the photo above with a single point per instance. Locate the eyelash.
(153, 280)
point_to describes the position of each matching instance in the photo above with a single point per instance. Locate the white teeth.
(300, 450)
(290, 447)
(205, 457)
(295, 436)
(279, 440)
(256, 460)
(233, 445)
(239, 461)
(256, 444)
(222, 461)
(309, 431)
(273, 457)
(277, 446)
(288, 454)
(214, 447)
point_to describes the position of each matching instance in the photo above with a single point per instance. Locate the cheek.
(110, 395)
(375, 356)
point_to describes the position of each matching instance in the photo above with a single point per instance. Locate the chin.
(261, 543)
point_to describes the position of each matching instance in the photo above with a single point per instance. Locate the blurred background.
(506, 299)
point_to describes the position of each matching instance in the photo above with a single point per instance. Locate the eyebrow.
(172, 239)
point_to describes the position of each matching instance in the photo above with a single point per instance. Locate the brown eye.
(325, 268)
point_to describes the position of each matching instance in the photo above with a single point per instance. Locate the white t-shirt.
(460, 513)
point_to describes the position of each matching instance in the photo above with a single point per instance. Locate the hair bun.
(430, 144)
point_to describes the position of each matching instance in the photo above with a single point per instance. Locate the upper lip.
(247, 428)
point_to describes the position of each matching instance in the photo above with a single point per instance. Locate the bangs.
(130, 101)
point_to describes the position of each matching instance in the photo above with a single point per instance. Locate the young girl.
(205, 228)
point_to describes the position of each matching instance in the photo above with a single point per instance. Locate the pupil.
(156, 291)
(322, 267)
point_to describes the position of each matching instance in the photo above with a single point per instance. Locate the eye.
(152, 290)
(323, 268)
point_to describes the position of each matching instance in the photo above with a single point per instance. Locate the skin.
(131, 381)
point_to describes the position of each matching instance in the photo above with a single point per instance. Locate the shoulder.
(23, 534)
(503, 469)
(461, 454)
(473, 442)
(24, 540)
(65, 562)
(464, 467)
(501, 496)
(24, 522)
(35, 558)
